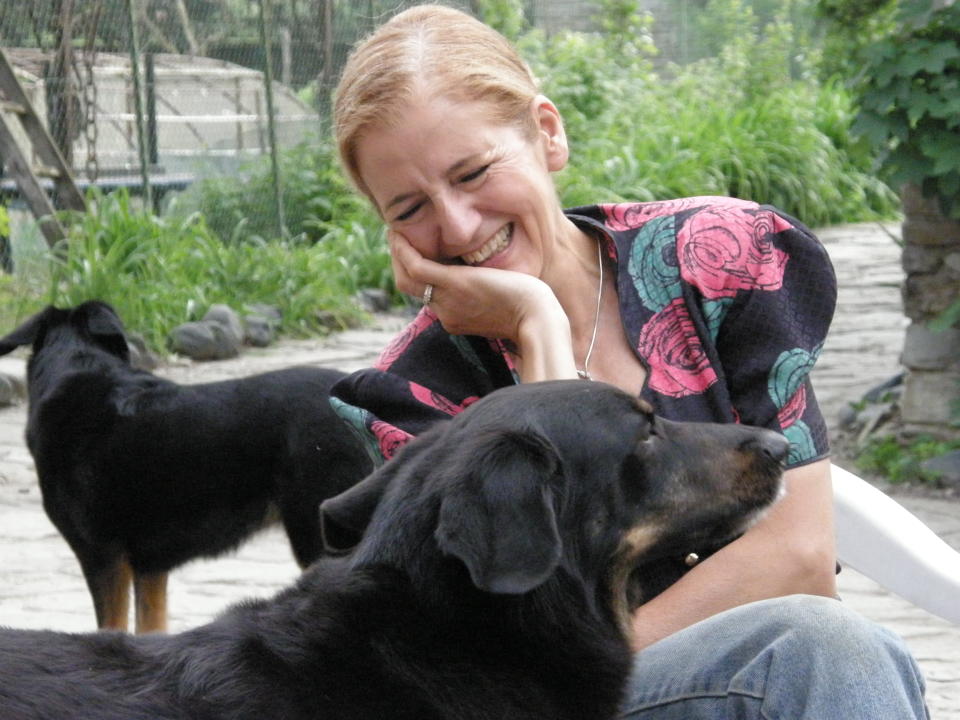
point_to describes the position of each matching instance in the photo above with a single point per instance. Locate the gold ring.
(427, 294)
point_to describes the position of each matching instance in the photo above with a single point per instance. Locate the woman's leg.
(794, 658)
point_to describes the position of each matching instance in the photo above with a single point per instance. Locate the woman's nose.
(458, 221)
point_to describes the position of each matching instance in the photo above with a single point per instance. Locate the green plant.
(315, 194)
(910, 102)
(161, 271)
(900, 461)
(735, 125)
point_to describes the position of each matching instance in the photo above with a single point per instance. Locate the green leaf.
(872, 127)
(928, 57)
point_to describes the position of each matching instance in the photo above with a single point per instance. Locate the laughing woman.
(712, 309)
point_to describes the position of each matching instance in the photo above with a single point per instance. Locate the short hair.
(429, 48)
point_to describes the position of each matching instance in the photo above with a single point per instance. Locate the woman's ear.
(550, 132)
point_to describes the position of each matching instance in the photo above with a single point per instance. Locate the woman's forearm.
(789, 551)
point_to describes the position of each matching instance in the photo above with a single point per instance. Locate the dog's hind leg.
(150, 591)
(108, 580)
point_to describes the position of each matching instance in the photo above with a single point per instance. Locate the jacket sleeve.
(772, 334)
(423, 376)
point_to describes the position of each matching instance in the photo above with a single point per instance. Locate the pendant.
(584, 375)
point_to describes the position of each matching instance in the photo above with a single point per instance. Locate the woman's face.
(461, 186)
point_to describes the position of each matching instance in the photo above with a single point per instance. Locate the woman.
(712, 309)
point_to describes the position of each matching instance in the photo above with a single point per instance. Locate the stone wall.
(931, 262)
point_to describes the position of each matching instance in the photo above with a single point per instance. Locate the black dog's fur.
(490, 581)
(140, 474)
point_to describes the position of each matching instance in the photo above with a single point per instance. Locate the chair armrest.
(881, 539)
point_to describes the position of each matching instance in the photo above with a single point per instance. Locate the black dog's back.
(182, 471)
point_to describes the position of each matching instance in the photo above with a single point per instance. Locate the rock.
(926, 349)
(373, 300)
(261, 324)
(259, 331)
(947, 467)
(847, 417)
(204, 340)
(229, 319)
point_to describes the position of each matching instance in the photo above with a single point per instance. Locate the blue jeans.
(793, 658)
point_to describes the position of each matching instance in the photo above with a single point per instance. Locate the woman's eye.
(476, 174)
(408, 213)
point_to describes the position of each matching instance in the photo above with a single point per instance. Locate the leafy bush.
(738, 124)
(315, 195)
(909, 96)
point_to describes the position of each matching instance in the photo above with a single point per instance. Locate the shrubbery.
(751, 122)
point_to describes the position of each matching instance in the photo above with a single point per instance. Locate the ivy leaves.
(910, 106)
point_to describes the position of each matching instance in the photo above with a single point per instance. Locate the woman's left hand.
(491, 303)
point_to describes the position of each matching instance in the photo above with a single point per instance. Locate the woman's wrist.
(545, 346)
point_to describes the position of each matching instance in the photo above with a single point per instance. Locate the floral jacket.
(726, 303)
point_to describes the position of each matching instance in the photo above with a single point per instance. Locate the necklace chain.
(585, 373)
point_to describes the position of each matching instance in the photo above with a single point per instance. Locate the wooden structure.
(15, 107)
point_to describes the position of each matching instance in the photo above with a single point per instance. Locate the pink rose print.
(678, 364)
(439, 402)
(390, 438)
(724, 249)
(627, 216)
(794, 409)
(401, 342)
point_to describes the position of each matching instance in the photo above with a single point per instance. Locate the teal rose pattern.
(653, 263)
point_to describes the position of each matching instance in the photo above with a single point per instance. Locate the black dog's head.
(547, 483)
(91, 323)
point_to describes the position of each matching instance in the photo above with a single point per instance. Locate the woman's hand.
(491, 303)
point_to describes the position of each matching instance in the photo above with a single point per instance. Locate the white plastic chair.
(878, 537)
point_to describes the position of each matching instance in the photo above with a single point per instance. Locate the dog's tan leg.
(150, 590)
(110, 588)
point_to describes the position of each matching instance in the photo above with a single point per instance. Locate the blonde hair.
(434, 48)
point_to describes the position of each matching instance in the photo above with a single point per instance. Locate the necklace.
(585, 373)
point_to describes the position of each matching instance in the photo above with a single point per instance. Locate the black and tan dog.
(491, 579)
(140, 474)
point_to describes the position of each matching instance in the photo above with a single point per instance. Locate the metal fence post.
(271, 127)
(138, 107)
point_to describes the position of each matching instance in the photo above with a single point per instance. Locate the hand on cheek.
(471, 300)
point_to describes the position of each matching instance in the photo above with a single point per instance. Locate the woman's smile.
(495, 245)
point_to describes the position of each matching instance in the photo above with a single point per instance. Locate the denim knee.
(794, 657)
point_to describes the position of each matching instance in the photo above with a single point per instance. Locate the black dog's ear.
(344, 517)
(27, 333)
(500, 520)
(105, 328)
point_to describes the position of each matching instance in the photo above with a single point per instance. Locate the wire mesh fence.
(218, 83)
(155, 95)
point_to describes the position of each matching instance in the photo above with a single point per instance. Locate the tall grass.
(161, 271)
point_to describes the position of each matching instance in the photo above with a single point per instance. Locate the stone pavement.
(41, 585)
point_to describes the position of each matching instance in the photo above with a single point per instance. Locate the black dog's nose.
(773, 445)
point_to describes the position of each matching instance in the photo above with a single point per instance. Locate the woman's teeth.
(496, 244)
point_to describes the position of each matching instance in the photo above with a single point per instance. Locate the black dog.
(491, 580)
(140, 474)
